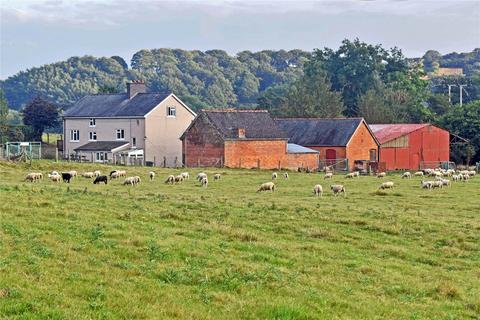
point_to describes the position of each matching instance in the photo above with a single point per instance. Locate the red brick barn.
(242, 139)
(412, 146)
(339, 140)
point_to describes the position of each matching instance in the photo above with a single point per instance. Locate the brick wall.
(264, 154)
(202, 146)
(360, 145)
(301, 160)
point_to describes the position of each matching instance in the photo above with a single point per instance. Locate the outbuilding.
(242, 139)
(412, 146)
(341, 142)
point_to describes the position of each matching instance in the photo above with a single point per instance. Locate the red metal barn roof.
(387, 132)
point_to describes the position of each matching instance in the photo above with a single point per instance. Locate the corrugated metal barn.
(412, 146)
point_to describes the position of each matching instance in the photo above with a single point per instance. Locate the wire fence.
(437, 164)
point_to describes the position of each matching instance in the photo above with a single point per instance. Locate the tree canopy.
(39, 115)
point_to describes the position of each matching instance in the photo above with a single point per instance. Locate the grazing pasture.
(153, 250)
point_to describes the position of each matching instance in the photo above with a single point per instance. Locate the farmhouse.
(122, 127)
(412, 146)
(242, 139)
(340, 141)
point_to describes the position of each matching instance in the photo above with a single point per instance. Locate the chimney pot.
(241, 132)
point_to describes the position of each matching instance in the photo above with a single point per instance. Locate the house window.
(120, 134)
(74, 135)
(92, 136)
(100, 156)
(92, 122)
(134, 142)
(171, 112)
(373, 154)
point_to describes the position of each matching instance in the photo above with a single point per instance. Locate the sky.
(37, 32)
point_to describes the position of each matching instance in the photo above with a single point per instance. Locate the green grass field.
(156, 251)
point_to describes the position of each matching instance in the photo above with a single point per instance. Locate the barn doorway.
(330, 156)
(373, 155)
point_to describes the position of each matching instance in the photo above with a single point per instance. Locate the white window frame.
(92, 123)
(171, 114)
(74, 135)
(121, 133)
(101, 157)
(92, 136)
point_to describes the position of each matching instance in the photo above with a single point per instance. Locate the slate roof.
(387, 132)
(258, 124)
(295, 148)
(319, 132)
(115, 105)
(102, 145)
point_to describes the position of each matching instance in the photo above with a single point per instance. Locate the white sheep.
(204, 182)
(426, 184)
(55, 177)
(318, 190)
(386, 185)
(185, 175)
(338, 188)
(267, 186)
(456, 177)
(350, 175)
(437, 184)
(170, 179)
(151, 174)
(97, 173)
(274, 176)
(472, 173)
(54, 173)
(446, 182)
(465, 177)
(121, 173)
(88, 174)
(137, 179)
(73, 173)
(285, 175)
(328, 175)
(418, 174)
(216, 177)
(179, 179)
(381, 175)
(114, 175)
(357, 174)
(201, 175)
(406, 175)
(32, 177)
(130, 181)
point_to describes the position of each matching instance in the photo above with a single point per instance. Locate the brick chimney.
(134, 87)
(241, 133)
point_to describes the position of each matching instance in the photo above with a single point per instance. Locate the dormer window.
(171, 112)
(92, 122)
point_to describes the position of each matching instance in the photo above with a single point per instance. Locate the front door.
(330, 156)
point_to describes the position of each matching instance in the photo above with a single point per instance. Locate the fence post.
(56, 154)
(258, 163)
(154, 161)
(176, 162)
(164, 162)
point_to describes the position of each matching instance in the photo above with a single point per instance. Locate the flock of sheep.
(440, 179)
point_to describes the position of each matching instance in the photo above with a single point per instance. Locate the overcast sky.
(36, 32)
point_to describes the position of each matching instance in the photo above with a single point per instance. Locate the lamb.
(285, 175)
(426, 184)
(465, 177)
(179, 178)
(137, 179)
(204, 182)
(318, 190)
(66, 176)
(88, 174)
(386, 185)
(216, 177)
(73, 173)
(456, 177)
(406, 175)
(129, 181)
(437, 184)
(170, 179)
(185, 175)
(31, 177)
(381, 175)
(54, 173)
(357, 174)
(267, 186)
(338, 188)
(99, 179)
(328, 175)
(151, 174)
(418, 174)
(274, 176)
(446, 182)
(201, 175)
(472, 173)
(122, 173)
(114, 175)
(97, 173)
(112, 172)
(55, 177)
(350, 175)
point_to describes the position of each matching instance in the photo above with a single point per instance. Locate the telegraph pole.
(461, 93)
(450, 92)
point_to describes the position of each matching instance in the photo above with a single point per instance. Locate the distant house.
(242, 139)
(412, 146)
(126, 126)
(444, 72)
(339, 140)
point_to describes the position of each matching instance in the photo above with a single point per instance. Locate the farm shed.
(340, 141)
(242, 139)
(412, 146)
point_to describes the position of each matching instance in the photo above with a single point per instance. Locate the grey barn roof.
(319, 132)
(102, 145)
(115, 105)
(295, 148)
(258, 124)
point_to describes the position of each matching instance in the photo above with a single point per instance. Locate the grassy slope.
(158, 251)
